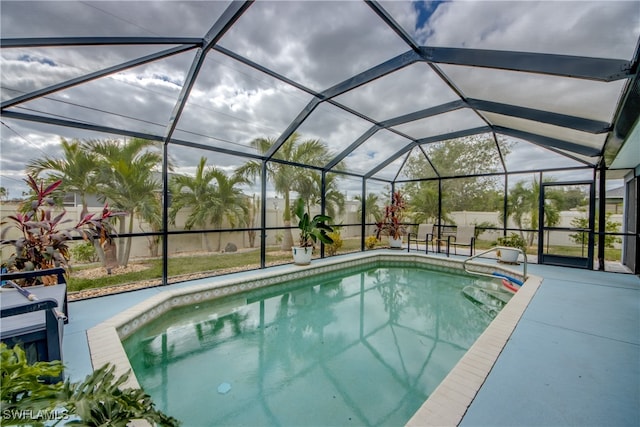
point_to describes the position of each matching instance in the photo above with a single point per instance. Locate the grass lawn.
(213, 263)
(219, 263)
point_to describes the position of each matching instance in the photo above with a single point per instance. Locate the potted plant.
(311, 230)
(514, 240)
(392, 221)
(44, 242)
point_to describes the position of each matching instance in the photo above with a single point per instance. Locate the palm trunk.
(100, 252)
(127, 251)
(85, 210)
(287, 240)
(121, 242)
(205, 242)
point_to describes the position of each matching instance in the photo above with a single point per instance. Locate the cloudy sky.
(317, 44)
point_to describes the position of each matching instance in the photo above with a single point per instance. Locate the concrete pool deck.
(573, 358)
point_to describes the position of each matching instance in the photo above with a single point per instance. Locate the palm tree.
(4, 193)
(523, 204)
(286, 177)
(126, 178)
(77, 170)
(423, 201)
(212, 197)
(371, 208)
(309, 188)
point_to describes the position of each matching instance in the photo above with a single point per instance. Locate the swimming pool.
(445, 406)
(363, 346)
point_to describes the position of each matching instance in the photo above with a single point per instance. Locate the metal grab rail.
(524, 272)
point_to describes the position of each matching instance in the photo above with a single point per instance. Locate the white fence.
(193, 242)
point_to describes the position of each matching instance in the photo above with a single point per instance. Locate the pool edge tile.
(449, 402)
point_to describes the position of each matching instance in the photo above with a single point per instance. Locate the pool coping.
(445, 406)
(449, 402)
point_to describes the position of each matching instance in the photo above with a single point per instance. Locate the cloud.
(316, 43)
(598, 28)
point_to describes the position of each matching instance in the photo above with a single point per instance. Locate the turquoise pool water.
(362, 347)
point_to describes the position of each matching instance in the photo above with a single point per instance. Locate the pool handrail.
(495, 248)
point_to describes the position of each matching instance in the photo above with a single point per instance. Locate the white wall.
(192, 242)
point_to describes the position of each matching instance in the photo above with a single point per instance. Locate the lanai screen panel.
(418, 166)
(442, 124)
(231, 104)
(374, 151)
(334, 127)
(316, 43)
(471, 155)
(576, 97)
(520, 155)
(587, 28)
(391, 172)
(584, 143)
(23, 142)
(410, 89)
(259, 77)
(109, 18)
(29, 69)
(138, 99)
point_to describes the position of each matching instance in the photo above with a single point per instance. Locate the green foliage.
(371, 207)
(458, 157)
(287, 178)
(126, 177)
(610, 227)
(334, 247)
(279, 237)
(99, 400)
(568, 198)
(523, 206)
(77, 169)
(312, 229)
(423, 202)
(84, 252)
(45, 236)
(513, 240)
(370, 242)
(211, 197)
(392, 223)
(481, 227)
(23, 386)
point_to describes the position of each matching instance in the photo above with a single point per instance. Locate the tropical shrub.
(45, 239)
(513, 240)
(392, 223)
(610, 227)
(312, 229)
(334, 247)
(99, 400)
(370, 242)
(84, 252)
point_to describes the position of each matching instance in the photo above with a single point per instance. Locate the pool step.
(489, 301)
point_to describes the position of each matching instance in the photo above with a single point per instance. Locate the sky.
(316, 44)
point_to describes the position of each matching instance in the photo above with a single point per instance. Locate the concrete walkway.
(573, 359)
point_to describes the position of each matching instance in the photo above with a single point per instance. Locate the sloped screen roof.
(378, 82)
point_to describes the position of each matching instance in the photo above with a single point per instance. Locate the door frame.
(565, 260)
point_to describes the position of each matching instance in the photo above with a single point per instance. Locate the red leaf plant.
(45, 239)
(392, 221)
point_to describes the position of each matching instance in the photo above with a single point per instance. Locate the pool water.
(364, 348)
